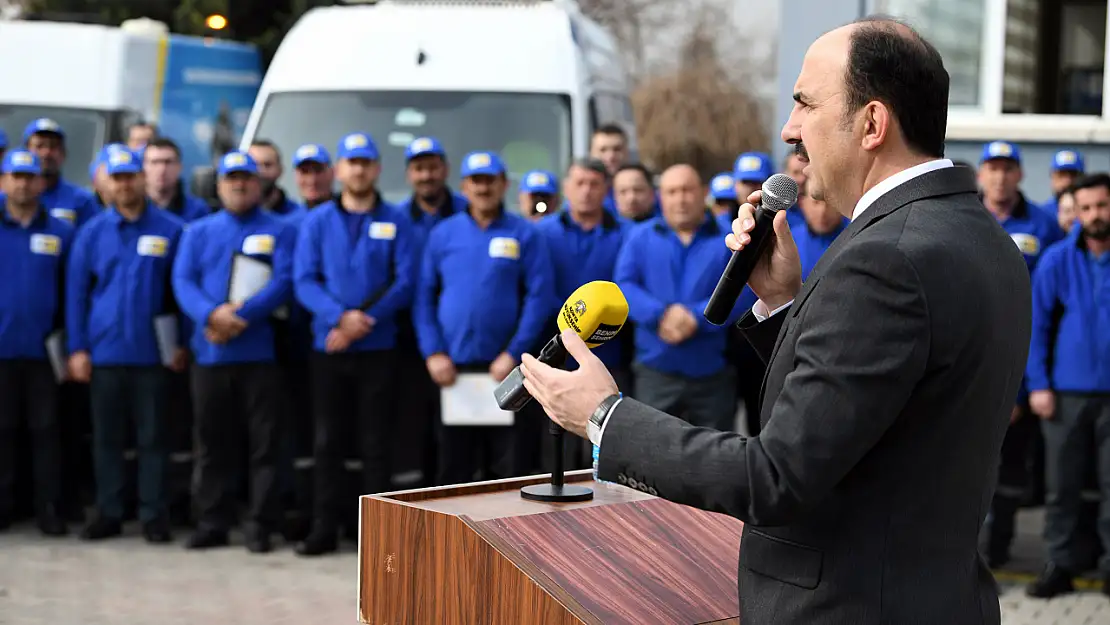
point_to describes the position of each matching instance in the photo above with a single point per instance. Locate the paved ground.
(127, 582)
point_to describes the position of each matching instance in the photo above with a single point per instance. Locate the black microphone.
(779, 193)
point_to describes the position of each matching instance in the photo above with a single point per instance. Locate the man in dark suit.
(890, 373)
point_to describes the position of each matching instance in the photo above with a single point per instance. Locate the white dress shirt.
(874, 193)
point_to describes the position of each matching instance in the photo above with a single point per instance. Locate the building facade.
(1028, 71)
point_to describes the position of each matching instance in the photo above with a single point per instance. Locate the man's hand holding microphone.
(777, 276)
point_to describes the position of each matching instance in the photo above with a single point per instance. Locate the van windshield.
(528, 130)
(85, 133)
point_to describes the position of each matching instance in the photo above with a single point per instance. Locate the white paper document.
(470, 401)
(165, 333)
(56, 353)
(248, 277)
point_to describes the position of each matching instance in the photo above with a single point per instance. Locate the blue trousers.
(123, 397)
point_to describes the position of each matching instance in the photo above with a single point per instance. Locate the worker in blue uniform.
(164, 184)
(353, 271)
(31, 309)
(314, 175)
(724, 205)
(485, 291)
(539, 195)
(816, 233)
(117, 293)
(274, 199)
(1068, 377)
(751, 170)
(1020, 475)
(668, 268)
(1067, 166)
(98, 174)
(66, 201)
(583, 241)
(432, 200)
(234, 271)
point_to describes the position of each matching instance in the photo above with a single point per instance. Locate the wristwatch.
(597, 419)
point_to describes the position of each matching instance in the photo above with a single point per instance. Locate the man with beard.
(46, 138)
(239, 399)
(486, 289)
(117, 284)
(266, 154)
(1069, 385)
(431, 202)
(354, 271)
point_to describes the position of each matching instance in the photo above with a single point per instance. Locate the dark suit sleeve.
(762, 335)
(862, 345)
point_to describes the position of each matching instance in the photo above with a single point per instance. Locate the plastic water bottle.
(597, 452)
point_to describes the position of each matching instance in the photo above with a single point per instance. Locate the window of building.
(956, 28)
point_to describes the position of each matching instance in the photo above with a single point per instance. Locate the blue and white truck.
(95, 81)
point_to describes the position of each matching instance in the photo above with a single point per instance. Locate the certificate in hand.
(469, 401)
(248, 277)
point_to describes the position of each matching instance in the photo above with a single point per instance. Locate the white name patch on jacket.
(504, 247)
(65, 214)
(1027, 243)
(383, 230)
(153, 245)
(46, 244)
(258, 244)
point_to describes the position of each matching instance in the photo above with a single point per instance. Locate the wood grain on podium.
(478, 553)
(639, 563)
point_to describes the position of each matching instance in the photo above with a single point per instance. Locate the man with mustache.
(68, 202)
(1069, 384)
(486, 289)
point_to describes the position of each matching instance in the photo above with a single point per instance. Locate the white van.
(528, 79)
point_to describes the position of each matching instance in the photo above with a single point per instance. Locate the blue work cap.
(20, 162)
(482, 164)
(538, 181)
(424, 146)
(122, 161)
(102, 157)
(357, 145)
(1000, 150)
(752, 167)
(1068, 160)
(311, 153)
(235, 162)
(723, 187)
(43, 125)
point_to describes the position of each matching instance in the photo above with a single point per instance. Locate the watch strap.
(603, 409)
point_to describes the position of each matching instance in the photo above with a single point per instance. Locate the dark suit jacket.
(888, 389)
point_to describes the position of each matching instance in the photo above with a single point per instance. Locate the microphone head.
(596, 312)
(780, 192)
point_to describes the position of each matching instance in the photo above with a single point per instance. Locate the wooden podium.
(480, 554)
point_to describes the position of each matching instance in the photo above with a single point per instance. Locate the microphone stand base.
(551, 492)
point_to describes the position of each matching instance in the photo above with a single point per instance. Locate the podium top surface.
(482, 501)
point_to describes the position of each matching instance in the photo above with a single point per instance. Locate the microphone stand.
(557, 489)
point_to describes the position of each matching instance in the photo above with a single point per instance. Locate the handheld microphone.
(596, 311)
(780, 192)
